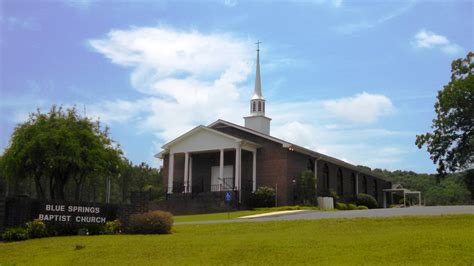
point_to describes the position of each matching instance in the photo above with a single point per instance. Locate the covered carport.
(398, 188)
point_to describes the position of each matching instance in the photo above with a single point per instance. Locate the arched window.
(253, 107)
(326, 177)
(364, 184)
(259, 106)
(340, 182)
(263, 104)
(354, 184)
(375, 189)
(310, 165)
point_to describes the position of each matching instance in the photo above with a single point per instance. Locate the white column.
(186, 172)
(221, 166)
(237, 168)
(254, 171)
(170, 172)
(190, 187)
(357, 183)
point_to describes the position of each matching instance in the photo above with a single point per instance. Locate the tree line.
(63, 155)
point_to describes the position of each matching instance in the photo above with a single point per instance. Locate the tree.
(306, 187)
(139, 178)
(56, 148)
(451, 144)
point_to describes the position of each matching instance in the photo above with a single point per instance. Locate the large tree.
(451, 144)
(59, 147)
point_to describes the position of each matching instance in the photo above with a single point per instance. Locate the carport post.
(385, 199)
(404, 199)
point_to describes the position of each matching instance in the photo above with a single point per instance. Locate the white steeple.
(257, 119)
(258, 85)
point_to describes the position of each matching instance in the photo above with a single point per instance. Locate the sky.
(356, 80)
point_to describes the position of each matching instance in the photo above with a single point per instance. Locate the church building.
(207, 161)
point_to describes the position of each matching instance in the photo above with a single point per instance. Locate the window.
(364, 184)
(263, 104)
(354, 184)
(326, 177)
(340, 182)
(310, 165)
(253, 107)
(259, 106)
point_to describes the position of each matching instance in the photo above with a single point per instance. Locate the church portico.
(206, 160)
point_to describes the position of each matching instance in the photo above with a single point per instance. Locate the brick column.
(254, 171)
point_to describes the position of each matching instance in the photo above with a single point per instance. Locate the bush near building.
(262, 197)
(366, 200)
(154, 222)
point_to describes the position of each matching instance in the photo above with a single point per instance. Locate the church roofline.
(298, 148)
(166, 146)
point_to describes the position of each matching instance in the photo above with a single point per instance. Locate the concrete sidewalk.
(314, 215)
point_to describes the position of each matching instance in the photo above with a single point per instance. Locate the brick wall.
(271, 162)
(19, 210)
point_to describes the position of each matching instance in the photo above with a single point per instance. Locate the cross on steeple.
(258, 45)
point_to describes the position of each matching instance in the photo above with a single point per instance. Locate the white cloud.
(430, 40)
(230, 3)
(14, 23)
(367, 24)
(337, 3)
(189, 78)
(80, 4)
(361, 108)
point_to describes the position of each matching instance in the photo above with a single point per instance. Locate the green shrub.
(113, 227)
(262, 197)
(362, 207)
(341, 206)
(15, 234)
(366, 200)
(351, 206)
(305, 188)
(36, 229)
(154, 222)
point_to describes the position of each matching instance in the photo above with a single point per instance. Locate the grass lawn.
(442, 240)
(235, 214)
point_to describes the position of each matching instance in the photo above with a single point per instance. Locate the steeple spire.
(258, 85)
(257, 119)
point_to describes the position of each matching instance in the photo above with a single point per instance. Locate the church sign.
(73, 213)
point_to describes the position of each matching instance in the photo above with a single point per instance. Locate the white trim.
(194, 130)
(248, 145)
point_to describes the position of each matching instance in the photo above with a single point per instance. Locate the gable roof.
(297, 148)
(191, 132)
(251, 131)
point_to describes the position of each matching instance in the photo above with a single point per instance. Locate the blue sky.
(353, 79)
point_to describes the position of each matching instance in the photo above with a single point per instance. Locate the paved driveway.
(309, 215)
